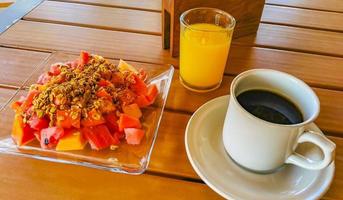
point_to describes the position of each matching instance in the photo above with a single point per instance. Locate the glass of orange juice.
(205, 38)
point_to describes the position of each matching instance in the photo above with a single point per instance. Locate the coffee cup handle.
(326, 145)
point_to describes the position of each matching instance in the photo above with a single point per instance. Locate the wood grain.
(150, 5)
(169, 155)
(111, 44)
(97, 17)
(16, 65)
(302, 18)
(308, 67)
(296, 39)
(61, 181)
(327, 5)
(331, 109)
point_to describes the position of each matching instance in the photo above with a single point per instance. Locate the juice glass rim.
(229, 27)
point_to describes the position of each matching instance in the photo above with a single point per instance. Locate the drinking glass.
(205, 38)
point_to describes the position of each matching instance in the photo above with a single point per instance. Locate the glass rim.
(230, 27)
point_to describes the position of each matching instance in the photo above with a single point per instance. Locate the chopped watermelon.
(99, 137)
(142, 101)
(73, 64)
(127, 121)
(139, 87)
(55, 69)
(94, 118)
(50, 136)
(84, 58)
(37, 123)
(119, 135)
(152, 93)
(107, 106)
(110, 113)
(44, 78)
(104, 83)
(29, 99)
(142, 74)
(102, 93)
(112, 122)
(133, 135)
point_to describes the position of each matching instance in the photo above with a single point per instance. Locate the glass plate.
(130, 159)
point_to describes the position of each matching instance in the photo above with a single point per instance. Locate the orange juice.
(203, 52)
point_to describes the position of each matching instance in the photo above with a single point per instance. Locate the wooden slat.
(98, 17)
(296, 39)
(303, 18)
(169, 155)
(308, 67)
(60, 181)
(125, 45)
(150, 5)
(329, 120)
(241, 59)
(328, 5)
(5, 95)
(112, 44)
(16, 65)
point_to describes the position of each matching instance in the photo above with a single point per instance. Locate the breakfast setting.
(171, 99)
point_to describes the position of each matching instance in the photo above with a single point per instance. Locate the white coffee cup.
(263, 146)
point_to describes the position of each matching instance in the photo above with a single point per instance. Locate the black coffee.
(270, 107)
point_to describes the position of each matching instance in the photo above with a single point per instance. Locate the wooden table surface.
(300, 37)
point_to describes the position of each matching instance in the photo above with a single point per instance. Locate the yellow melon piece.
(124, 66)
(133, 110)
(21, 133)
(73, 141)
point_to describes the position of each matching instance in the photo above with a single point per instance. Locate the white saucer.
(206, 153)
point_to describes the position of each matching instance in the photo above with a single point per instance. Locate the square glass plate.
(130, 159)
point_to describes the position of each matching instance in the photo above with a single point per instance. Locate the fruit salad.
(86, 101)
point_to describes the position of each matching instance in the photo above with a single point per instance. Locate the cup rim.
(249, 72)
(230, 27)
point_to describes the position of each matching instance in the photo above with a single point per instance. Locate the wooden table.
(300, 37)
